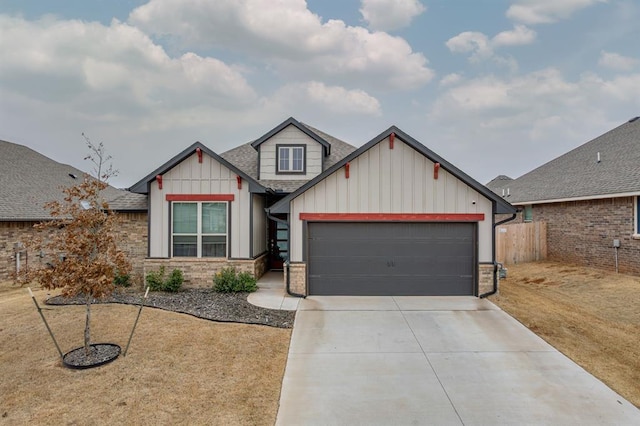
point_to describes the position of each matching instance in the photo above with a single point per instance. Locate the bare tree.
(83, 246)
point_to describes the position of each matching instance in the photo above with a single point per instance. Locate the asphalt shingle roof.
(245, 158)
(29, 179)
(497, 183)
(579, 174)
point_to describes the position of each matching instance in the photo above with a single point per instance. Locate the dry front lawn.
(590, 315)
(179, 369)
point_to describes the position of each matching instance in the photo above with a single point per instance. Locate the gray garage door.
(432, 259)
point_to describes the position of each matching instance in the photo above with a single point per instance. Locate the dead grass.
(590, 315)
(179, 369)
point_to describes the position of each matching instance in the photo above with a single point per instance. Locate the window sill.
(636, 236)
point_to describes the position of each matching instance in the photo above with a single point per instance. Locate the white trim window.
(199, 229)
(291, 158)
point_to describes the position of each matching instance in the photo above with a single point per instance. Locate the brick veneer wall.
(132, 234)
(10, 234)
(199, 272)
(582, 232)
(132, 239)
(298, 280)
(485, 278)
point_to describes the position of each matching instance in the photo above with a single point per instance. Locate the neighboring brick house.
(391, 217)
(589, 198)
(28, 180)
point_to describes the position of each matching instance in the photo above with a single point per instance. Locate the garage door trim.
(305, 247)
(392, 217)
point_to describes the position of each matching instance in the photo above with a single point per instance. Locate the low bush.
(174, 282)
(122, 280)
(157, 281)
(227, 280)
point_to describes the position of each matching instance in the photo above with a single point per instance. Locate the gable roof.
(500, 205)
(245, 158)
(292, 122)
(28, 180)
(142, 186)
(579, 175)
(497, 183)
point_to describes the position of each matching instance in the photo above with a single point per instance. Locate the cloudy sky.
(494, 86)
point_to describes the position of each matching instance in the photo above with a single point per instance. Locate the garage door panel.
(391, 258)
(370, 285)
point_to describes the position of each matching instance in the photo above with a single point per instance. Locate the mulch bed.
(202, 303)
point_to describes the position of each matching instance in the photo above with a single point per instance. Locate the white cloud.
(387, 15)
(470, 41)
(518, 36)
(450, 79)
(546, 11)
(335, 99)
(90, 63)
(617, 62)
(527, 120)
(481, 47)
(289, 37)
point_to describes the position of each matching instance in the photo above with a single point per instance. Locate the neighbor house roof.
(29, 179)
(608, 165)
(500, 205)
(497, 183)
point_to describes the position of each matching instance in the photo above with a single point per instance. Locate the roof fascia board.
(142, 186)
(500, 206)
(292, 122)
(584, 198)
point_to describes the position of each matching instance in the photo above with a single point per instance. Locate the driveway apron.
(432, 360)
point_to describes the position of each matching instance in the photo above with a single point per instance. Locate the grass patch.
(590, 315)
(179, 369)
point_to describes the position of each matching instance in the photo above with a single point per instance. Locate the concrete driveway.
(433, 360)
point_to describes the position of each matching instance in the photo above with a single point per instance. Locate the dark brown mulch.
(99, 354)
(202, 303)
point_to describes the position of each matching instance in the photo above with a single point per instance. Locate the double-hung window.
(199, 229)
(291, 158)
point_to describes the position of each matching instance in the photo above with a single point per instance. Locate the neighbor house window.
(199, 229)
(528, 213)
(291, 158)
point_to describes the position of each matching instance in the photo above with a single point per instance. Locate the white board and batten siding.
(398, 180)
(290, 135)
(192, 177)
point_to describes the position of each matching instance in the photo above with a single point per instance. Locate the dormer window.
(291, 159)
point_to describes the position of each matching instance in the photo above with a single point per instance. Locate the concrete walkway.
(271, 293)
(433, 360)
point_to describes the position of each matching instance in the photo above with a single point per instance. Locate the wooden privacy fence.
(521, 242)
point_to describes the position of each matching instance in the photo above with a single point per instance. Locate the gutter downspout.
(495, 264)
(288, 283)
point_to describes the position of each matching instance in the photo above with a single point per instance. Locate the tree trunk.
(87, 326)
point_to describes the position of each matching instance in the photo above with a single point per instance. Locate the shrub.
(122, 280)
(174, 282)
(157, 281)
(247, 282)
(227, 280)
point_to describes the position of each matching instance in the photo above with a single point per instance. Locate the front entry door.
(278, 244)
